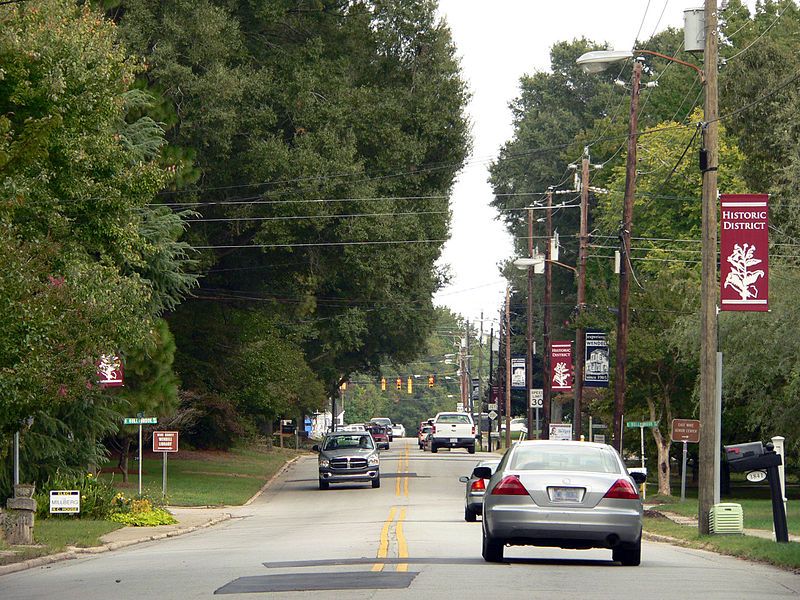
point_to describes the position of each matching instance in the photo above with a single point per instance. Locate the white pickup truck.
(453, 430)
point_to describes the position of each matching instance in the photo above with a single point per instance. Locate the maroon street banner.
(109, 371)
(744, 252)
(561, 366)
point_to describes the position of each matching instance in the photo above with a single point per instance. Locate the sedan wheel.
(470, 515)
(630, 555)
(492, 549)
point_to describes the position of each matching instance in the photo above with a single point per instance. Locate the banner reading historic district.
(744, 252)
(561, 366)
(595, 371)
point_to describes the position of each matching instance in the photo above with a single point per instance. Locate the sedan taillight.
(623, 490)
(510, 485)
(478, 485)
(433, 429)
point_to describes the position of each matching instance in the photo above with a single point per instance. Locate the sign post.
(642, 425)
(685, 430)
(165, 442)
(139, 420)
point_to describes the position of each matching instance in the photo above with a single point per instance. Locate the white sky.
(498, 41)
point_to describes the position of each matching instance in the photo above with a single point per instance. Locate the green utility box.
(726, 517)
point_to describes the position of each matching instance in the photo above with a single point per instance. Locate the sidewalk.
(692, 521)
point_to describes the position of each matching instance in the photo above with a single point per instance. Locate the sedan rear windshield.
(564, 458)
(348, 441)
(461, 419)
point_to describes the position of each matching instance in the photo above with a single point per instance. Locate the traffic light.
(410, 389)
(399, 384)
(383, 384)
(431, 381)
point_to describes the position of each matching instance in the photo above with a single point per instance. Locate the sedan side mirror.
(482, 472)
(315, 448)
(639, 477)
(463, 479)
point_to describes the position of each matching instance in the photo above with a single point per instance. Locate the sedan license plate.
(453, 440)
(565, 494)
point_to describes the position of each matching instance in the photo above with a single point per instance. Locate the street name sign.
(686, 430)
(140, 421)
(65, 502)
(634, 424)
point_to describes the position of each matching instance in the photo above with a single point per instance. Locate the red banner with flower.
(744, 252)
(561, 366)
(109, 371)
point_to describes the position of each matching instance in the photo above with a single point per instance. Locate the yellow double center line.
(402, 545)
(400, 490)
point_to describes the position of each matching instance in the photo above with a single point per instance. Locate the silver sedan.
(563, 494)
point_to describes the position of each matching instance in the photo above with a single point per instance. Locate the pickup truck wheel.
(324, 485)
(434, 448)
(471, 449)
(376, 483)
(470, 515)
(492, 549)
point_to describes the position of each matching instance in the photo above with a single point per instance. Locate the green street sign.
(139, 421)
(636, 424)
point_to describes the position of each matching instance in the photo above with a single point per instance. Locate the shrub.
(139, 513)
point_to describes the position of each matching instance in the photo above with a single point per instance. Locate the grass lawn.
(782, 555)
(55, 534)
(757, 512)
(206, 478)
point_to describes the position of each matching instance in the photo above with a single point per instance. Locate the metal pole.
(580, 334)
(468, 377)
(491, 381)
(548, 293)
(625, 239)
(778, 512)
(591, 429)
(683, 471)
(164, 476)
(508, 367)
(641, 437)
(16, 458)
(777, 444)
(140, 457)
(709, 443)
(529, 332)
(480, 384)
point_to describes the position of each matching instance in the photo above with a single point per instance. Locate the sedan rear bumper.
(598, 527)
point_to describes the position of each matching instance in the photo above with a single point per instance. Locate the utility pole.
(529, 332)
(480, 384)
(508, 367)
(548, 299)
(491, 380)
(709, 411)
(468, 376)
(625, 245)
(580, 334)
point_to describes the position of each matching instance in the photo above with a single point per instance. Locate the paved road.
(407, 539)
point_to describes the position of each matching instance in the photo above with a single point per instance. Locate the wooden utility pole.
(709, 411)
(529, 332)
(548, 298)
(580, 334)
(508, 367)
(625, 246)
(480, 384)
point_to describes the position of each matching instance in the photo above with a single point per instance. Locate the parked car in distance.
(453, 430)
(353, 427)
(398, 430)
(565, 494)
(386, 422)
(518, 425)
(379, 434)
(348, 456)
(422, 436)
(475, 488)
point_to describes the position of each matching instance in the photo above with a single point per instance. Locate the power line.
(311, 217)
(316, 244)
(763, 33)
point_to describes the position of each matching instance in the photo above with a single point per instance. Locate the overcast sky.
(498, 41)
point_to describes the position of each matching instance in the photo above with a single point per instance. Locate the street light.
(710, 395)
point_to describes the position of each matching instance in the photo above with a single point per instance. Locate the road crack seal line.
(383, 548)
(402, 546)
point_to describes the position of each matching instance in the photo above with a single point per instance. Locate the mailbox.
(750, 456)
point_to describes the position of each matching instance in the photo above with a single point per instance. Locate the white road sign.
(537, 398)
(492, 415)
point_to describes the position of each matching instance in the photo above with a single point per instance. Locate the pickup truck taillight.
(473, 430)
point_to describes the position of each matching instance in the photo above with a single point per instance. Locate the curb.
(73, 552)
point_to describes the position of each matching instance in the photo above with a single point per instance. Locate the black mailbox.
(753, 456)
(750, 456)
